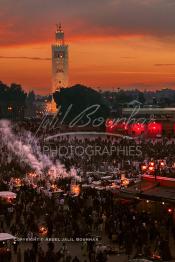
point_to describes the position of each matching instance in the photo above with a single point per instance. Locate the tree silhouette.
(12, 100)
(79, 98)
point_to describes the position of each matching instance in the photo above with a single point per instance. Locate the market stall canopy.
(6, 236)
(7, 194)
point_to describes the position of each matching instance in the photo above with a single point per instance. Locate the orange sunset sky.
(112, 43)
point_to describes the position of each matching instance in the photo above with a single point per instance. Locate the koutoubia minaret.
(59, 64)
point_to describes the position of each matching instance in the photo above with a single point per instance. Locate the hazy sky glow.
(113, 43)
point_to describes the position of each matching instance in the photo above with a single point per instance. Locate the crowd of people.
(92, 213)
(101, 222)
(111, 152)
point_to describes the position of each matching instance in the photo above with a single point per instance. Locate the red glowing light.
(113, 126)
(144, 167)
(137, 128)
(125, 126)
(154, 129)
(109, 123)
(151, 164)
(170, 210)
(151, 168)
(162, 164)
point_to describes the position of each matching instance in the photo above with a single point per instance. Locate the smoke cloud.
(25, 148)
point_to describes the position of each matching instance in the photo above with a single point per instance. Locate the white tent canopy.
(6, 194)
(6, 236)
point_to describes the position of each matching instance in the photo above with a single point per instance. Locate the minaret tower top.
(59, 35)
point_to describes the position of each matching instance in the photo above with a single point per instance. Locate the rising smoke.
(26, 150)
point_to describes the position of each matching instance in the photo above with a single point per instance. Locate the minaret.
(59, 63)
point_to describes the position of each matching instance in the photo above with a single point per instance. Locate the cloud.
(128, 57)
(149, 86)
(34, 21)
(164, 64)
(26, 58)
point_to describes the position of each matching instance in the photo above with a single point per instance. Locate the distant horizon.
(110, 89)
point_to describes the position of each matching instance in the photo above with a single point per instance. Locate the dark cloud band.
(34, 22)
(164, 64)
(26, 58)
